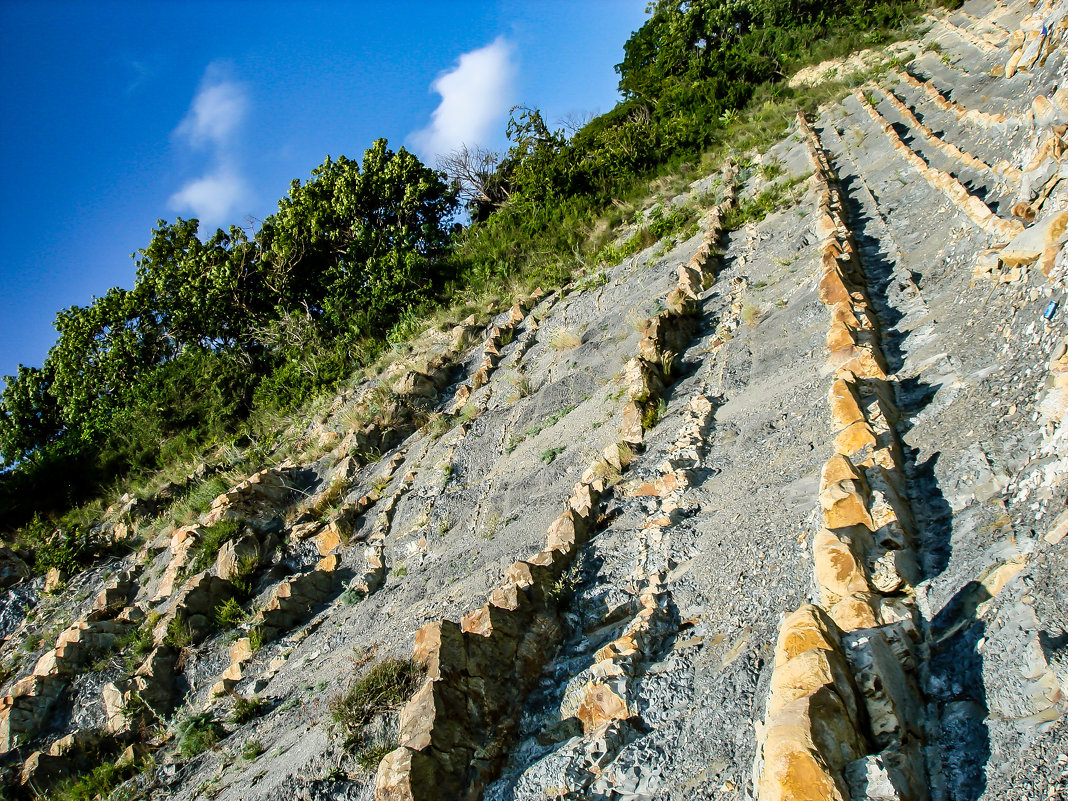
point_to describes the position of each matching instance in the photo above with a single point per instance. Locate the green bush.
(98, 783)
(229, 614)
(384, 687)
(205, 550)
(246, 709)
(252, 750)
(197, 733)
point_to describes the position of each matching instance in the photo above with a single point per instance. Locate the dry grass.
(750, 314)
(564, 339)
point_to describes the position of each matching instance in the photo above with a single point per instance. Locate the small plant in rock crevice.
(548, 456)
(179, 635)
(564, 339)
(197, 733)
(381, 689)
(252, 750)
(229, 614)
(246, 709)
(206, 549)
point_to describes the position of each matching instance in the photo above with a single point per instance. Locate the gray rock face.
(622, 494)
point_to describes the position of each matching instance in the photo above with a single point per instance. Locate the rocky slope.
(774, 512)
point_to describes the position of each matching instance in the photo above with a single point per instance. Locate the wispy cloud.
(213, 198)
(474, 96)
(213, 122)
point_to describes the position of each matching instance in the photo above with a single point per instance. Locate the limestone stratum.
(769, 508)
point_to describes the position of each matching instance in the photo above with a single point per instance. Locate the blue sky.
(114, 115)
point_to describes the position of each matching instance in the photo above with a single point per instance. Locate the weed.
(564, 587)
(383, 688)
(205, 550)
(750, 314)
(100, 782)
(493, 524)
(326, 500)
(667, 365)
(369, 756)
(351, 597)
(179, 634)
(549, 454)
(564, 339)
(229, 614)
(256, 639)
(754, 209)
(197, 733)
(549, 421)
(437, 425)
(652, 413)
(242, 577)
(252, 749)
(400, 571)
(246, 709)
(524, 387)
(771, 170)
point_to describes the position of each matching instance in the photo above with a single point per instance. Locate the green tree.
(359, 240)
(208, 294)
(29, 414)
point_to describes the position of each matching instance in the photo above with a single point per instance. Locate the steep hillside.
(775, 511)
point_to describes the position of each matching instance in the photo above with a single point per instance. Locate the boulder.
(12, 568)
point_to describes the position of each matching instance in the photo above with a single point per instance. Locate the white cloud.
(216, 112)
(474, 96)
(212, 199)
(213, 122)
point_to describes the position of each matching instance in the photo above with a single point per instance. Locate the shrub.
(197, 733)
(179, 635)
(383, 688)
(206, 549)
(229, 614)
(550, 454)
(252, 749)
(246, 709)
(98, 783)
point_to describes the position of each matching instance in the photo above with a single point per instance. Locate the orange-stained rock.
(440, 650)
(566, 532)
(806, 744)
(857, 441)
(845, 409)
(328, 538)
(807, 627)
(839, 566)
(854, 612)
(861, 362)
(407, 775)
(806, 674)
(833, 289)
(599, 705)
(631, 431)
(844, 505)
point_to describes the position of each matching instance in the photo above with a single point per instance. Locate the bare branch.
(473, 170)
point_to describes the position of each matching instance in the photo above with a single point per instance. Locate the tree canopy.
(350, 251)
